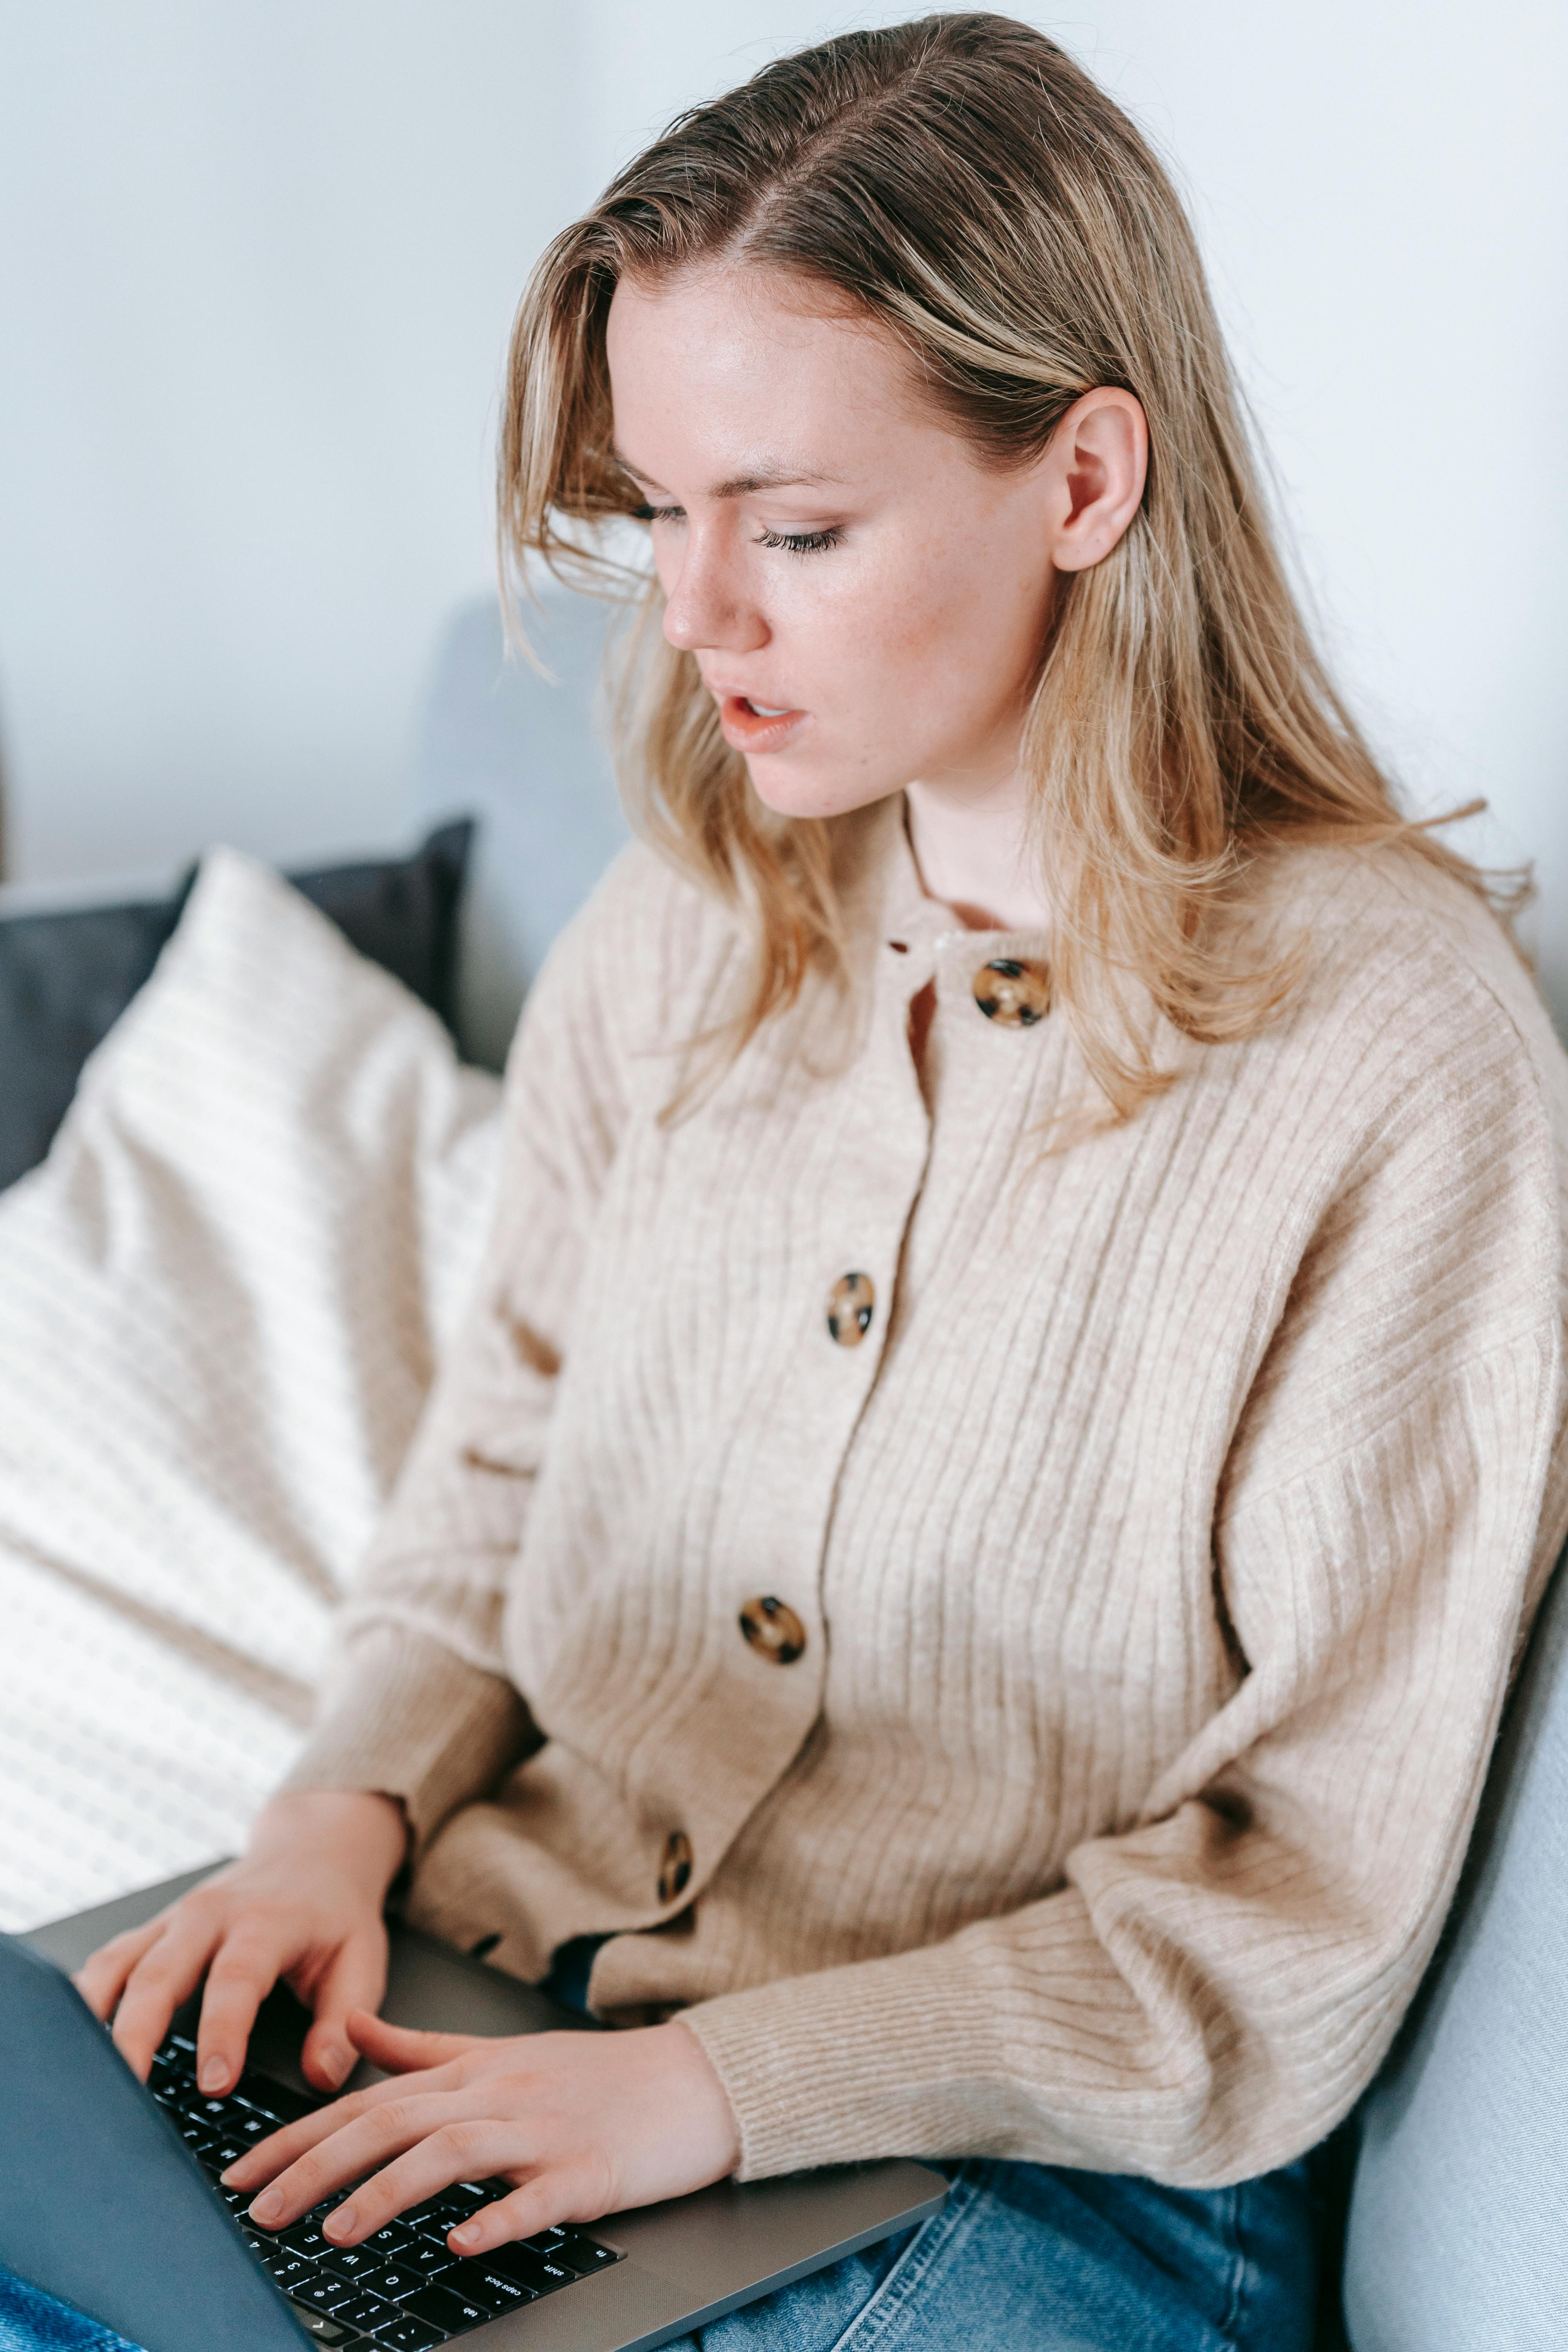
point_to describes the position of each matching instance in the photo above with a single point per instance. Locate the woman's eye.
(800, 543)
(646, 513)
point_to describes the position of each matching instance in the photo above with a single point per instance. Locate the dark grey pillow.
(67, 977)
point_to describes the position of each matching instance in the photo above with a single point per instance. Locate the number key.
(323, 2293)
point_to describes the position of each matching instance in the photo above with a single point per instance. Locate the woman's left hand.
(581, 2124)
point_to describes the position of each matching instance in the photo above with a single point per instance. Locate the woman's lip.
(746, 730)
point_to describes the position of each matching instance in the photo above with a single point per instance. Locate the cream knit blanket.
(220, 1299)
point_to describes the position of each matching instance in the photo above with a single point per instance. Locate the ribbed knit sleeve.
(416, 1701)
(1210, 1989)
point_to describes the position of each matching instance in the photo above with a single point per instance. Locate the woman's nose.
(706, 606)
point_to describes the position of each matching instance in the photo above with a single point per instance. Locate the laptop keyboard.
(404, 2290)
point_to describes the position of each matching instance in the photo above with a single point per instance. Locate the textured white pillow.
(221, 1301)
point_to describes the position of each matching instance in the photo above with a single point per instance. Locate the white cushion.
(221, 1300)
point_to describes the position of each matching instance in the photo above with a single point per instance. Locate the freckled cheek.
(874, 651)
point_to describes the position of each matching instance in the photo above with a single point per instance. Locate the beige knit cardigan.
(1161, 1549)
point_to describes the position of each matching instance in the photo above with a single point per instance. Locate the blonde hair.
(961, 181)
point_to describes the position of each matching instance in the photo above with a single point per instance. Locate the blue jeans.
(1029, 2258)
(31, 2322)
(1022, 2258)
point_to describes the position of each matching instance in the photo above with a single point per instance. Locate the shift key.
(540, 2271)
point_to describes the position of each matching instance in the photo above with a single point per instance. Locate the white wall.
(257, 263)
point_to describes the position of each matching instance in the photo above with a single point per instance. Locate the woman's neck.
(970, 853)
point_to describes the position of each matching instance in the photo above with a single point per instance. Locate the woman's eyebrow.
(738, 486)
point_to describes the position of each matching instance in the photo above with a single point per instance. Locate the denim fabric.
(1022, 2258)
(31, 2322)
(1027, 2258)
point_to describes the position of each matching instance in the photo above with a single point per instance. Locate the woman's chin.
(791, 788)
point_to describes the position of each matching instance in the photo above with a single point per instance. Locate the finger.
(576, 2192)
(167, 1974)
(464, 2149)
(404, 2049)
(360, 2147)
(101, 1980)
(244, 1970)
(273, 2155)
(352, 1984)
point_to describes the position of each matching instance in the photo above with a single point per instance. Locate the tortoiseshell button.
(1013, 994)
(774, 1630)
(675, 1875)
(850, 1304)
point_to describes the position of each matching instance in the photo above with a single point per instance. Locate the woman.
(960, 1582)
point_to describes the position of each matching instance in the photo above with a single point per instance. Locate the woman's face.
(866, 601)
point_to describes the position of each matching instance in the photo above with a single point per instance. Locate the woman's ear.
(1097, 462)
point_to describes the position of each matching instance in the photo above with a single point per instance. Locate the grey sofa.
(1455, 2169)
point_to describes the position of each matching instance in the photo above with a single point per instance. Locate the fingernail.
(267, 2205)
(214, 2074)
(339, 2224)
(467, 2233)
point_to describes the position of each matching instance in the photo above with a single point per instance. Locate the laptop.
(109, 2197)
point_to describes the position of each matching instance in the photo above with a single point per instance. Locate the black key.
(324, 2330)
(584, 2254)
(181, 2049)
(290, 2271)
(544, 2242)
(264, 2098)
(393, 2240)
(304, 2236)
(323, 2293)
(483, 2284)
(355, 2262)
(466, 2196)
(396, 2284)
(246, 2127)
(427, 2255)
(318, 2213)
(224, 2154)
(444, 2212)
(365, 2310)
(408, 2333)
(448, 2311)
(538, 2271)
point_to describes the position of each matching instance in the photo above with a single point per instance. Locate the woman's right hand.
(304, 1904)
